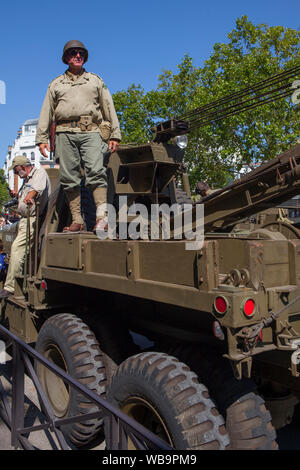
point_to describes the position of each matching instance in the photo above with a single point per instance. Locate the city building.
(24, 145)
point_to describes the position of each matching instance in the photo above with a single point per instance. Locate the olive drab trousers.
(87, 148)
(17, 253)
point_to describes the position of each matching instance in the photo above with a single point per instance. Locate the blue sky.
(129, 41)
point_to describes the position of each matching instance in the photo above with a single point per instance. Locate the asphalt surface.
(288, 437)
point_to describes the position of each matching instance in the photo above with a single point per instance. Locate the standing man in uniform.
(36, 187)
(83, 110)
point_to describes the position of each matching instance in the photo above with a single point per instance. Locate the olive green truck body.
(223, 297)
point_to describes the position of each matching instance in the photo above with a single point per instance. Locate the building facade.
(24, 145)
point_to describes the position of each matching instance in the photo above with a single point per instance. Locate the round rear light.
(221, 305)
(248, 308)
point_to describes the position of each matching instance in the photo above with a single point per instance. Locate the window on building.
(24, 154)
(32, 157)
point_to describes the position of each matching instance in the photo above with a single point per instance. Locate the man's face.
(22, 171)
(75, 58)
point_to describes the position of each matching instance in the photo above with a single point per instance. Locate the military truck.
(198, 345)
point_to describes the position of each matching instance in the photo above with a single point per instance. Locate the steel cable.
(205, 114)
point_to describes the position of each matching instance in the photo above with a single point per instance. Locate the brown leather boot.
(73, 198)
(74, 228)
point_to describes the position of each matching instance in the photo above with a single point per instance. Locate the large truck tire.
(247, 420)
(68, 342)
(162, 394)
(249, 425)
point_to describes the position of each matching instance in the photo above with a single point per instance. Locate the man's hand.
(113, 145)
(43, 148)
(13, 193)
(29, 198)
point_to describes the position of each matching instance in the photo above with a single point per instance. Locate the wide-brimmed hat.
(19, 160)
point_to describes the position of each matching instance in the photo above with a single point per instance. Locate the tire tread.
(177, 385)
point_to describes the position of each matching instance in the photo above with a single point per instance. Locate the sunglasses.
(74, 52)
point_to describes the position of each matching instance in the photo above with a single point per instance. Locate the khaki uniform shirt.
(38, 181)
(68, 97)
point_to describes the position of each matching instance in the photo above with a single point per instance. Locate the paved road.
(288, 437)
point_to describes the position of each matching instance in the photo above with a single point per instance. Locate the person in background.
(202, 190)
(36, 187)
(3, 263)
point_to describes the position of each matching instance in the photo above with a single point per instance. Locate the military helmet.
(72, 45)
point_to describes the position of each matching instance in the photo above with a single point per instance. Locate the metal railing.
(121, 427)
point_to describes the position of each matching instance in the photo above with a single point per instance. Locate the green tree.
(139, 111)
(4, 194)
(132, 114)
(253, 53)
(216, 151)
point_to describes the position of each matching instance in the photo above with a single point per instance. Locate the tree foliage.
(4, 194)
(253, 53)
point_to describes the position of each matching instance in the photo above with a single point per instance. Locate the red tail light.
(248, 308)
(221, 305)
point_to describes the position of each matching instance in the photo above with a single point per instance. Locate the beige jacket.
(68, 99)
(38, 181)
